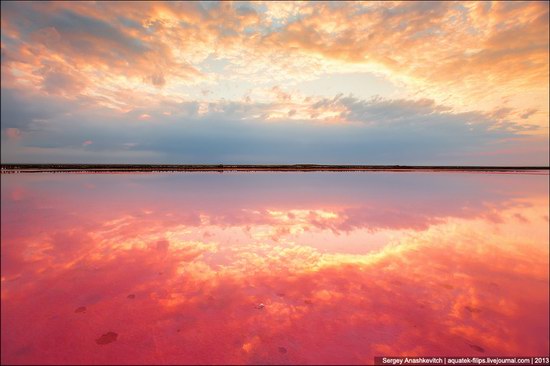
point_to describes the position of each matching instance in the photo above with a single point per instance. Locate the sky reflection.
(272, 268)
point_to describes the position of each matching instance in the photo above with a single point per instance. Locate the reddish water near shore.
(281, 268)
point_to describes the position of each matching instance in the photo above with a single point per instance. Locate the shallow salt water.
(284, 268)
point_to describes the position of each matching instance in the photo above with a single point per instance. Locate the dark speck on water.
(308, 302)
(477, 348)
(81, 309)
(472, 309)
(107, 338)
(131, 296)
(282, 349)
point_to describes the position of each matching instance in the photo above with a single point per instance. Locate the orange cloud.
(131, 58)
(77, 45)
(469, 48)
(483, 51)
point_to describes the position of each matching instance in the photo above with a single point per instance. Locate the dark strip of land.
(34, 168)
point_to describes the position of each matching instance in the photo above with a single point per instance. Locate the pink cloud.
(13, 133)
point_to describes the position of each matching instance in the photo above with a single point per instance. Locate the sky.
(275, 82)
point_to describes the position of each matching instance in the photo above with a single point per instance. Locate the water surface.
(280, 268)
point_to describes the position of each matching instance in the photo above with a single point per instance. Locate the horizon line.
(107, 167)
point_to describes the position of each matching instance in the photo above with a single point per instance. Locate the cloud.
(376, 131)
(528, 113)
(82, 43)
(459, 52)
(60, 80)
(13, 133)
(280, 94)
(416, 30)
(17, 113)
(466, 79)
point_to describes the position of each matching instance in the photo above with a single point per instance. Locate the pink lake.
(272, 268)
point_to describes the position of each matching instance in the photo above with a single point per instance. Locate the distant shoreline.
(37, 168)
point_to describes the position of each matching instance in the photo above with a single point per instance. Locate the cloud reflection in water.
(272, 268)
